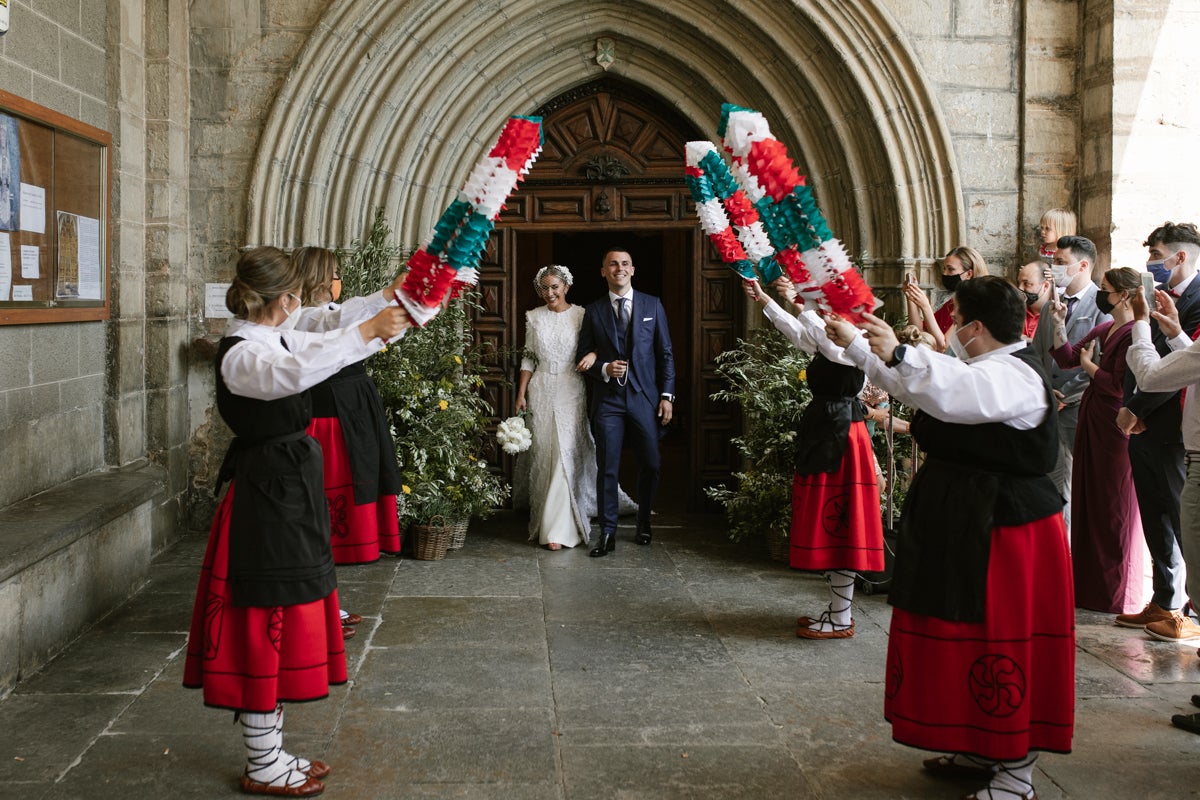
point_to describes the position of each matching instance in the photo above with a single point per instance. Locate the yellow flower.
(803, 375)
(457, 360)
(472, 458)
(443, 405)
(405, 488)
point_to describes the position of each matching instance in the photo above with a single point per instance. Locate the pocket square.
(647, 319)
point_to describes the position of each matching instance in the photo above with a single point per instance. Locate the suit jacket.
(1164, 420)
(1084, 317)
(651, 363)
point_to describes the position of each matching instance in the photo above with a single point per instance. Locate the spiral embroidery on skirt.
(338, 526)
(997, 684)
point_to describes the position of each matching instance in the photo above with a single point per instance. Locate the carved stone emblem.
(606, 53)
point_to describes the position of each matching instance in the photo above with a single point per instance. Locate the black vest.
(975, 478)
(279, 551)
(824, 427)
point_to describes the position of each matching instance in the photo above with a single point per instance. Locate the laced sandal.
(835, 631)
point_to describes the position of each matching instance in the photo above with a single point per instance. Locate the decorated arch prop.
(762, 219)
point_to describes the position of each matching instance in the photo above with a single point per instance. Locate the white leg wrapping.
(837, 616)
(262, 735)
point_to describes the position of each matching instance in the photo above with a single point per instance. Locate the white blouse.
(982, 389)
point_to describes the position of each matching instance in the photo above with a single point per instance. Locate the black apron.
(279, 550)
(351, 397)
(824, 429)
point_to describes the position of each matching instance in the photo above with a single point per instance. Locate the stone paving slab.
(510, 671)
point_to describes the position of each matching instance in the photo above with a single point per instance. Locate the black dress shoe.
(604, 545)
(643, 534)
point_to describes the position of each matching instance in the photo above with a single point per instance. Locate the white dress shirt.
(985, 388)
(262, 368)
(1176, 370)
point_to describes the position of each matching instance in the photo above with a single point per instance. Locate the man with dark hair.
(1071, 272)
(982, 585)
(1156, 452)
(633, 390)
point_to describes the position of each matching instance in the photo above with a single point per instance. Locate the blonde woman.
(959, 265)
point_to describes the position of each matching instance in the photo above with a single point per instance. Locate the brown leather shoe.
(1175, 628)
(804, 622)
(318, 769)
(310, 788)
(348, 632)
(813, 633)
(1151, 613)
(351, 619)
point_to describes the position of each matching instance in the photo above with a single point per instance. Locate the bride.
(561, 462)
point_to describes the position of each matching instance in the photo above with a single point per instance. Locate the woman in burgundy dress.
(265, 627)
(1106, 529)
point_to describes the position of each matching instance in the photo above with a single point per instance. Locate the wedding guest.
(349, 422)
(1106, 530)
(1055, 224)
(958, 266)
(836, 522)
(1032, 282)
(981, 652)
(265, 627)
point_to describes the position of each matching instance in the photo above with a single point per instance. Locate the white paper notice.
(33, 208)
(22, 293)
(30, 256)
(89, 258)
(214, 301)
(5, 267)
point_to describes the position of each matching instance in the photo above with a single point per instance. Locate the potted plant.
(766, 377)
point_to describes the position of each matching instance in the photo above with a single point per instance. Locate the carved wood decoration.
(612, 170)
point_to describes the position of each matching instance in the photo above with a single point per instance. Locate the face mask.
(1059, 272)
(951, 282)
(1105, 305)
(959, 347)
(1030, 297)
(1160, 270)
(293, 316)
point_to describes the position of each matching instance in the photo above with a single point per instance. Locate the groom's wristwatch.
(670, 398)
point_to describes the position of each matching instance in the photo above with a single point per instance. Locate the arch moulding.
(389, 104)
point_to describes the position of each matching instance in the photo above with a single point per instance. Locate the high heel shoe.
(604, 545)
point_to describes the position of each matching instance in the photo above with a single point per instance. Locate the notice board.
(55, 205)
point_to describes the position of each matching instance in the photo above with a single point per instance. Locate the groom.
(634, 390)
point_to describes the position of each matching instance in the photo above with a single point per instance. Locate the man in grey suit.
(1072, 273)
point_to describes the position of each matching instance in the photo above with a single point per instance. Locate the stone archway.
(389, 104)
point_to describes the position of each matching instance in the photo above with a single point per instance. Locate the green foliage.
(767, 377)
(430, 382)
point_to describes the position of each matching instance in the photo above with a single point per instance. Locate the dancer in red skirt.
(836, 522)
(981, 655)
(265, 624)
(349, 422)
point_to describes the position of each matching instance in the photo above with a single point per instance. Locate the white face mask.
(959, 348)
(293, 316)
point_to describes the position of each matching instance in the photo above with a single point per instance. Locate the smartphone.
(1148, 288)
(909, 278)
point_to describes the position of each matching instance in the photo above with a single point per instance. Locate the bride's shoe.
(554, 546)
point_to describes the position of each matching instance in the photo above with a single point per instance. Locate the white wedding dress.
(558, 473)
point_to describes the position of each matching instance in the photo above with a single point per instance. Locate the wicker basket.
(779, 545)
(431, 540)
(458, 534)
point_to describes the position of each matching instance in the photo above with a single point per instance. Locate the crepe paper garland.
(450, 260)
(805, 246)
(742, 243)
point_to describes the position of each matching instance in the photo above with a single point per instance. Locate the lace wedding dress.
(558, 472)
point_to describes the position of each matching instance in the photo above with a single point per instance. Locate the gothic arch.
(389, 104)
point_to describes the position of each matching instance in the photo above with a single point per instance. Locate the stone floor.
(507, 671)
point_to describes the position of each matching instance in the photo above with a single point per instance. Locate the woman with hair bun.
(361, 473)
(562, 459)
(959, 265)
(265, 626)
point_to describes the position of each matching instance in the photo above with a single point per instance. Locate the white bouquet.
(513, 436)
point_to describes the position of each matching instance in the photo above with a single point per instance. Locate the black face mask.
(1105, 305)
(950, 282)
(1030, 297)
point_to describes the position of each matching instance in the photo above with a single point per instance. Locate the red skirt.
(836, 522)
(1002, 687)
(253, 658)
(358, 532)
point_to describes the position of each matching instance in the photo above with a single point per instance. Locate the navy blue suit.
(633, 406)
(1156, 461)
